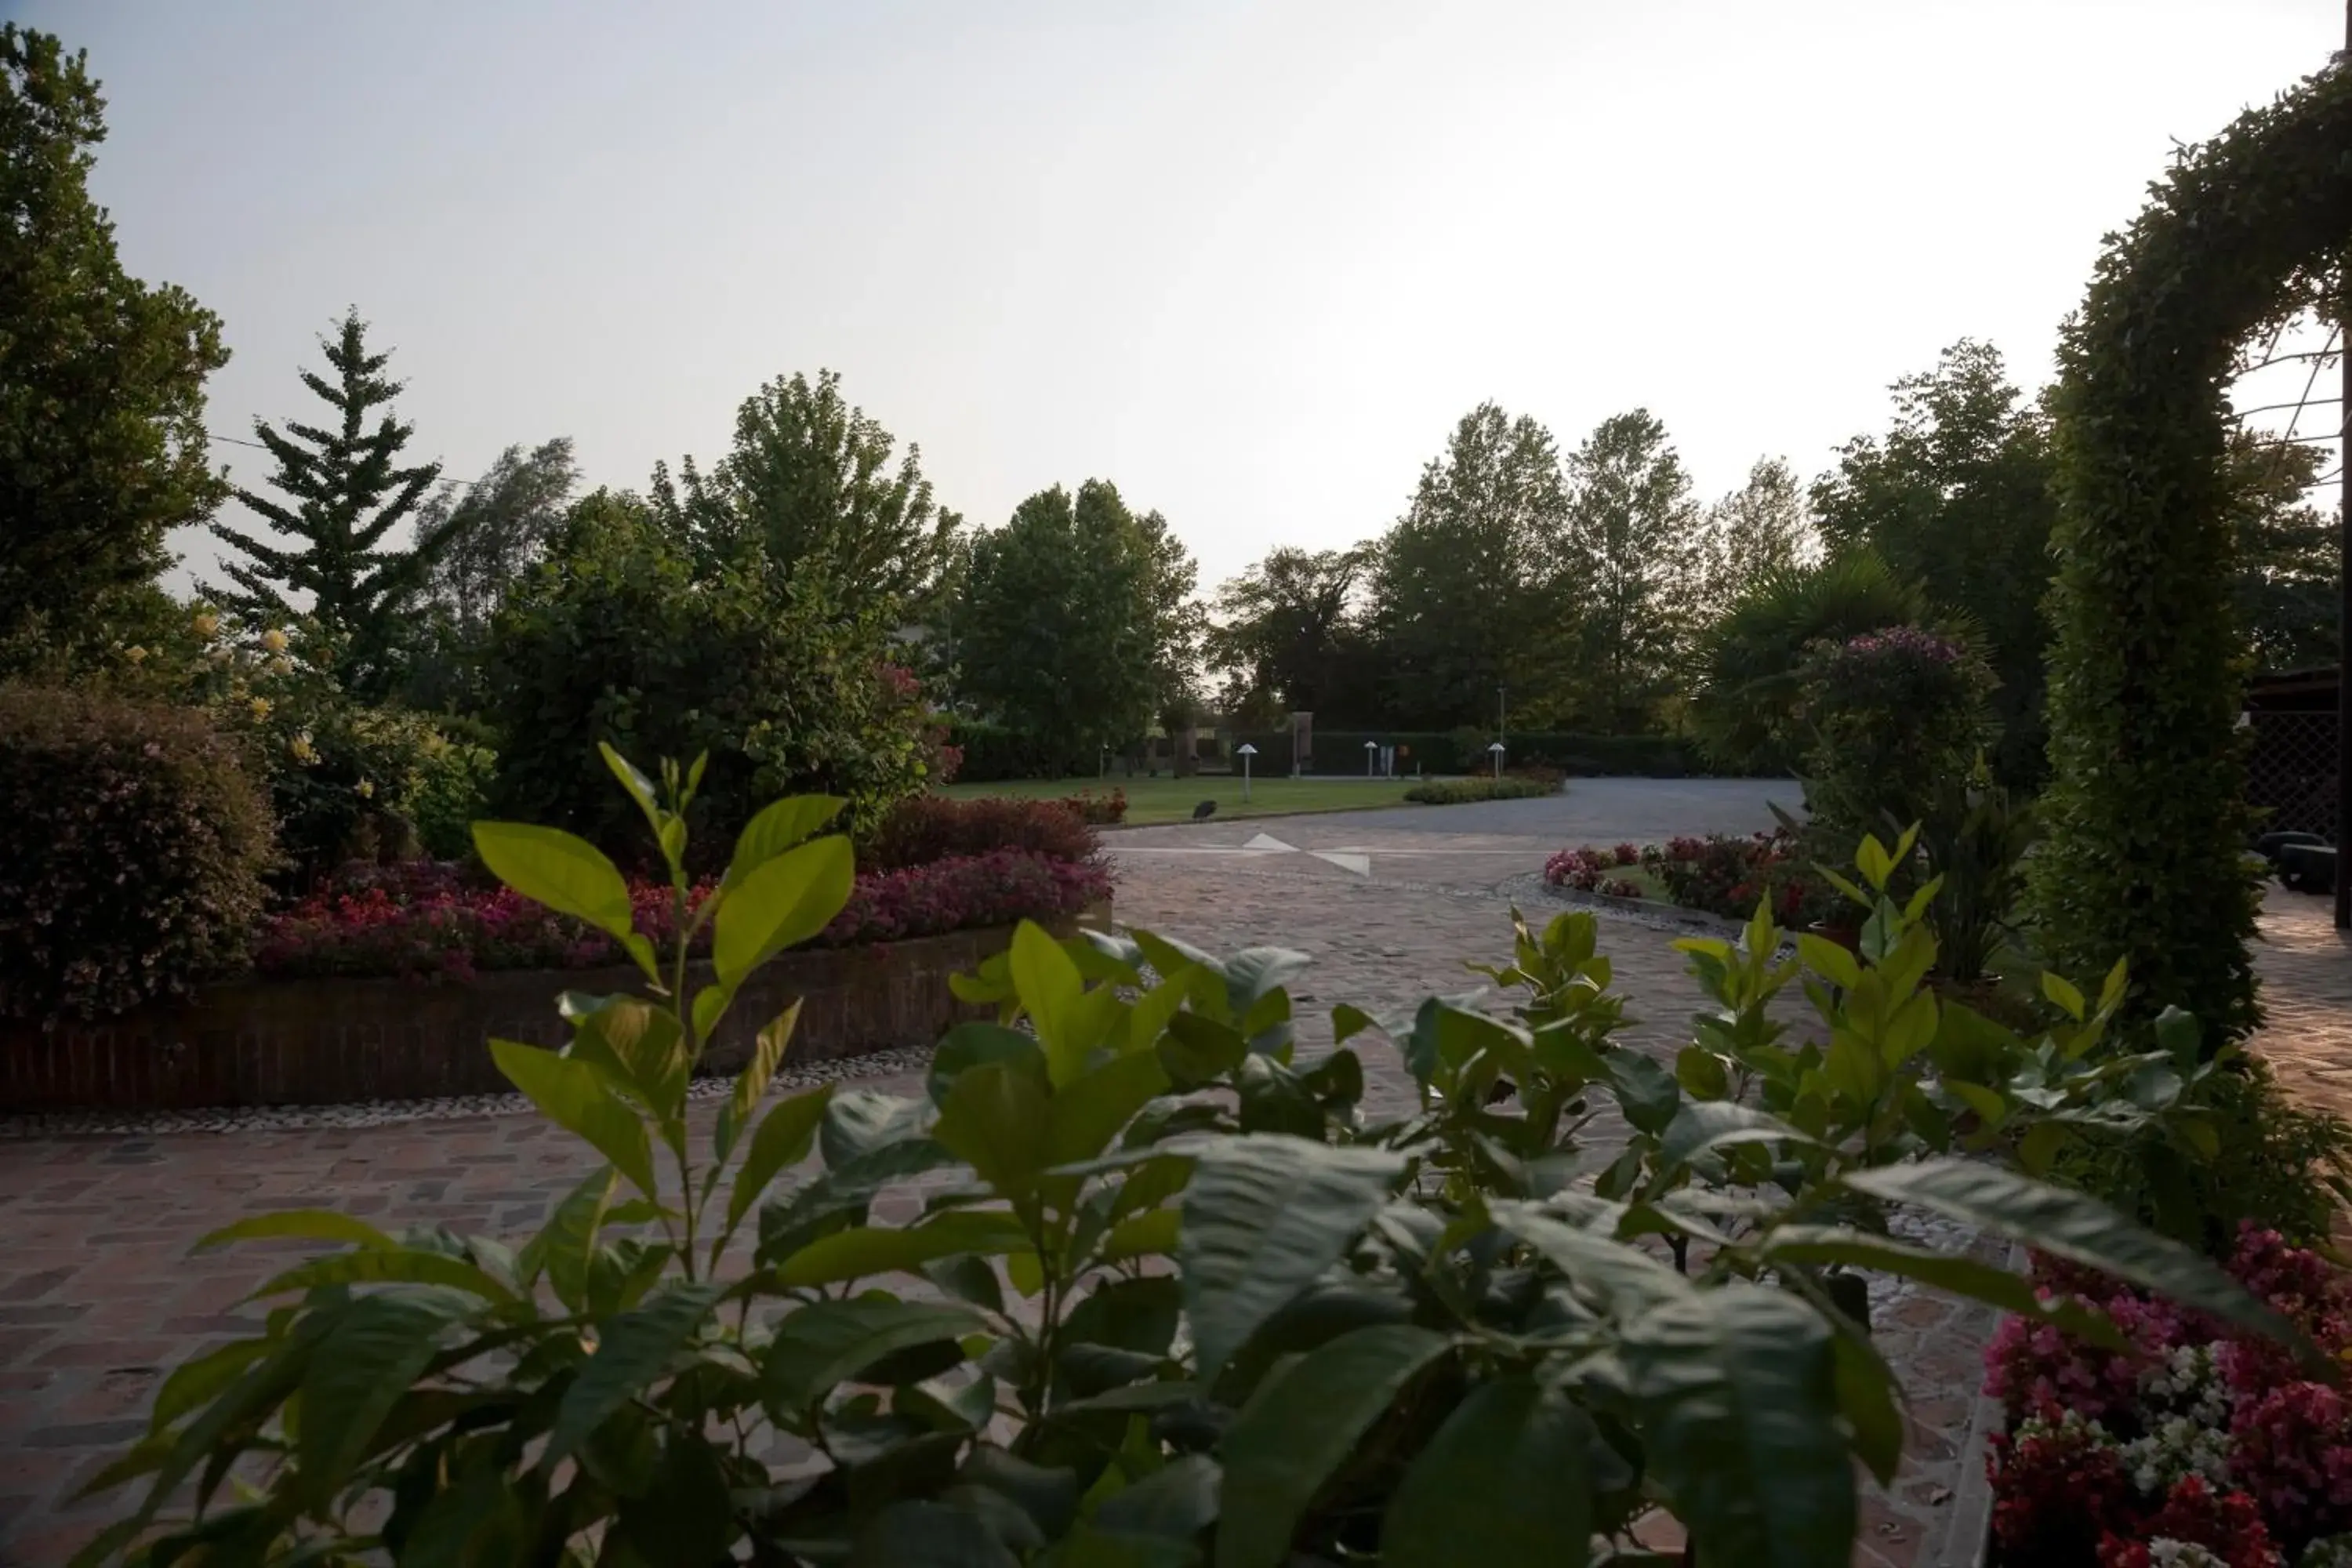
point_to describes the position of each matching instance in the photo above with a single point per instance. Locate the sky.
(1251, 262)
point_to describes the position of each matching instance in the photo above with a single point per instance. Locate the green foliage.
(1751, 662)
(994, 753)
(1894, 716)
(102, 447)
(499, 526)
(2146, 818)
(1471, 588)
(2284, 1166)
(809, 490)
(1633, 542)
(1957, 497)
(617, 638)
(1133, 1322)
(1070, 624)
(343, 499)
(2289, 552)
(1462, 792)
(1761, 529)
(1974, 838)
(131, 867)
(450, 791)
(1290, 626)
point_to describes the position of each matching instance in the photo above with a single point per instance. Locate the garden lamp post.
(1497, 749)
(1371, 751)
(1245, 752)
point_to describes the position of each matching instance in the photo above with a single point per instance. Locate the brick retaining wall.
(331, 1042)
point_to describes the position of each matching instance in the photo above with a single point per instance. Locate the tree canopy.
(103, 445)
(1635, 550)
(1289, 625)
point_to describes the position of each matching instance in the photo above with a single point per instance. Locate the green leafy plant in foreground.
(1172, 1295)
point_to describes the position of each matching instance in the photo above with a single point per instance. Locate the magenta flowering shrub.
(1722, 874)
(429, 920)
(2190, 1438)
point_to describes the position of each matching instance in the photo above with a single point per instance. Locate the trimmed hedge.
(1464, 751)
(927, 827)
(1464, 792)
(132, 863)
(995, 753)
(2145, 813)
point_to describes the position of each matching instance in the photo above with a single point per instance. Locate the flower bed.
(428, 919)
(2191, 1447)
(1721, 874)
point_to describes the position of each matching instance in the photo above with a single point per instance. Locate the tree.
(1064, 622)
(103, 445)
(345, 496)
(1763, 527)
(1288, 626)
(2289, 555)
(499, 526)
(1465, 586)
(1633, 550)
(1178, 623)
(811, 486)
(1957, 495)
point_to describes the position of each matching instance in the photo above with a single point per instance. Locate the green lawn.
(1172, 800)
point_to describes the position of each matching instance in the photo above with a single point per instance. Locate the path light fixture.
(1371, 753)
(1245, 752)
(1497, 749)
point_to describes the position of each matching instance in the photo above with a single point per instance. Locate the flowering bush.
(1721, 874)
(1892, 715)
(1099, 811)
(2189, 1444)
(428, 919)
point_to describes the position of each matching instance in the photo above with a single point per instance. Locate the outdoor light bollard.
(1245, 752)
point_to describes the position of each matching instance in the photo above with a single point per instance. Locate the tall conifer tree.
(343, 497)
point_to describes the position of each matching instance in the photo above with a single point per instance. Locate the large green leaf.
(752, 1084)
(1957, 1272)
(1053, 992)
(381, 1266)
(1626, 1279)
(379, 1345)
(916, 1533)
(639, 1041)
(1264, 1216)
(2084, 1230)
(1088, 1111)
(308, 1225)
(1502, 1485)
(1299, 1427)
(864, 1250)
(1701, 1125)
(778, 903)
(636, 1349)
(829, 1343)
(778, 826)
(995, 1121)
(1736, 1393)
(782, 1139)
(1176, 1501)
(970, 1044)
(577, 1097)
(568, 874)
(861, 1121)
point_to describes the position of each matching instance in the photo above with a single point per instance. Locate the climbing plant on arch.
(2146, 819)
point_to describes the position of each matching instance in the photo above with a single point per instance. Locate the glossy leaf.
(968, 1046)
(1053, 992)
(574, 1096)
(1300, 1427)
(634, 1350)
(377, 1347)
(779, 903)
(1735, 1389)
(1502, 1485)
(863, 1250)
(996, 1121)
(2083, 1230)
(782, 1139)
(752, 1084)
(1626, 1278)
(828, 1343)
(308, 1225)
(776, 827)
(1088, 1112)
(566, 873)
(1263, 1217)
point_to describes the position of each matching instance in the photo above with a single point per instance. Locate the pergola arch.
(2146, 824)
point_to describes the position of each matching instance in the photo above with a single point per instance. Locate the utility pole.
(2344, 577)
(1503, 693)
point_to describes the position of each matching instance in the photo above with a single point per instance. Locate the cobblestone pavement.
(99, 1296)
(2307, 967)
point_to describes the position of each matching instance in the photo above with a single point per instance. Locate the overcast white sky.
(1250, 261)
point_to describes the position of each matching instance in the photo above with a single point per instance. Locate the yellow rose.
(205, 625)
(274, 640)
(300, 748)
(260, 706)
(281, 665)
(366, 789)
(135, 655)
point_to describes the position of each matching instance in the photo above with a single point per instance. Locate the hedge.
(2146, 814)
(994, 753)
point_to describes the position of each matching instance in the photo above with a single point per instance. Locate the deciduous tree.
(1633, 550)
(1289, 625)
(102, 447)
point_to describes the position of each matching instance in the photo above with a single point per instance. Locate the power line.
(241, 441)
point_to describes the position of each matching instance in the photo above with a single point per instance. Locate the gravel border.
(889, 1063)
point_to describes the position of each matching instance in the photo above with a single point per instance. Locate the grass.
(1159, 800)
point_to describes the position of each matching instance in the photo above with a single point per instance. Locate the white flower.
(274, 640)
(281, 665)
(2171, 1553)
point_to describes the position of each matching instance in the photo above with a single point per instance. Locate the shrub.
(1138, 1321)
(622, 637)
(430, 920)
(1098, 811)
(926, 827)
(991, 753)
(132, 862)
(1721, 874)
(1974, 838)
(1463, 792)
(449, 793)
(1892, 715)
